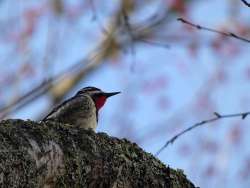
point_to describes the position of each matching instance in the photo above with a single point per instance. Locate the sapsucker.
(82, 109)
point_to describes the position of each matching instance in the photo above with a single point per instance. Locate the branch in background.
(218, 116)
(74, 74)
(61, 84)
(141, 34)
(129, 30)
(41, 89)
(27, 95)
(246, 3)
(25, 99)
(155, 43)
(62, 87)
(93, 9)
(96, 18)
(108, 48)
(227, 34)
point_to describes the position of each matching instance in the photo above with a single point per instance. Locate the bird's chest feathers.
(88, 117)
(87, 123)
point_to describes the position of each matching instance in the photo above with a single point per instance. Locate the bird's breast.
(87, 123)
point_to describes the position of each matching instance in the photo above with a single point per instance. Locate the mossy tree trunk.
(56, 155)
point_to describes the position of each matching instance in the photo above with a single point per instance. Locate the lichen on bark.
(51, 154)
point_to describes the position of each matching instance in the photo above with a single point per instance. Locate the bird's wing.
(75, 102)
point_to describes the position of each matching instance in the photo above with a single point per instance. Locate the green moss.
(87, 159)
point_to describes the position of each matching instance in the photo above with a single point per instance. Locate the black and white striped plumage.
(82, 109)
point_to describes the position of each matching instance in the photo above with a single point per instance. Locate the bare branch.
(96, 18)
(227, 34)
(25, 99)
(44, 87)
(130, 33)
(243, 115)
(76, 72)
(246, 3)
(154, 43)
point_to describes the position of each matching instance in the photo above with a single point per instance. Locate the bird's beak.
(110, 94)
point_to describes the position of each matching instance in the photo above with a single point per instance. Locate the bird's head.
(99, 97)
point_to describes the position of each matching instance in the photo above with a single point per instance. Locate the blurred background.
(171, 75)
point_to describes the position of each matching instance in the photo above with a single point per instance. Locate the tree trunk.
(56, 155)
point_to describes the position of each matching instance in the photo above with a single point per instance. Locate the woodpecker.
(82, 109)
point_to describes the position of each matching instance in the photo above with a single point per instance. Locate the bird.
(82, 109)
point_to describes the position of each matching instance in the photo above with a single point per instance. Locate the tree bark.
(57, 155)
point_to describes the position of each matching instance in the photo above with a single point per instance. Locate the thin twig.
(227, 34)
(96, 18)
(87, 64)
(28, 94)
(129, 30)
(93, 9)
(154, 43)
(246, 3)
(217, 117)
(42, 88)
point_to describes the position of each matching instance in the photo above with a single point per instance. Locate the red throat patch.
(100, 101)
